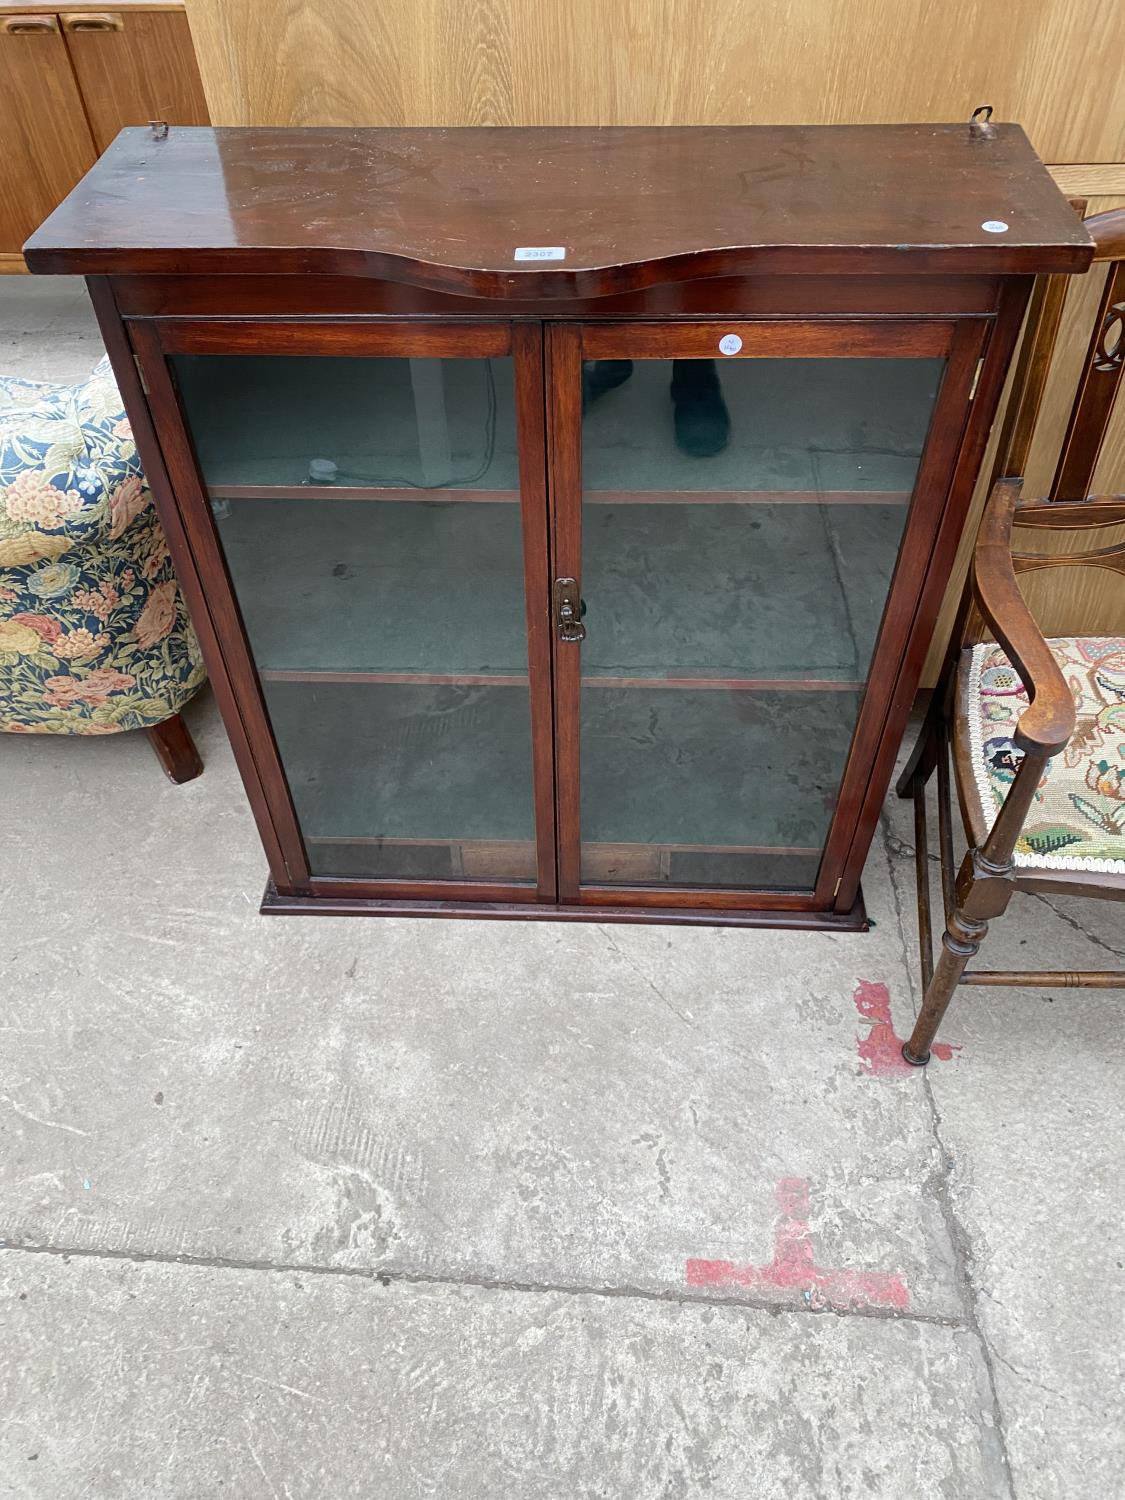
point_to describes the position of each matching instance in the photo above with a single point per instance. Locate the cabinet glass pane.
(741, 526)
(382, 599)
(413, 424)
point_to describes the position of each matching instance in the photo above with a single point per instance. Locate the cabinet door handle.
(569, 609)
(93, 21)
(28, 25)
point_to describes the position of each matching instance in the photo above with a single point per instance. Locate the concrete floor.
(398, 1209)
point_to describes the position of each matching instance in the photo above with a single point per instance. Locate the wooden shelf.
(356, 492)
(417, 679)
(222, 491)
(730, 684)
(485, 679)
(747, 497)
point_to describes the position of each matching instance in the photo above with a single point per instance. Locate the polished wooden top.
(629, 207)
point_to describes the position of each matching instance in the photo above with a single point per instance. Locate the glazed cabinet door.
(742, 517)
(365, 507)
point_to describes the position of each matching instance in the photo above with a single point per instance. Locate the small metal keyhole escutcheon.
(569, 609)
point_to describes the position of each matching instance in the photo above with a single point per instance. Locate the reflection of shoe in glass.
(700, 419)
(601, 375)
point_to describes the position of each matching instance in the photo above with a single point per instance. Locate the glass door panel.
(741, 524)
(368, 511)
(418, 425)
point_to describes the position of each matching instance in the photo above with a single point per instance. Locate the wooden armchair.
(1037, 726)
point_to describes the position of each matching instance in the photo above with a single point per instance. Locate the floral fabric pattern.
(94, 637)
(1077, 820)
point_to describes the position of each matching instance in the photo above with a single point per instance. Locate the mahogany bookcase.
(564, 513)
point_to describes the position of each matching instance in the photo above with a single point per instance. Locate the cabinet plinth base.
(275, 904)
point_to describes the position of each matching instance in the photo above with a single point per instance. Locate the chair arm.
(1048, 722)
(1108, 234)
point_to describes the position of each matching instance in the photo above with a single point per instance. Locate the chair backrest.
(1070, 528)
(1087, 538)
(1101, 373)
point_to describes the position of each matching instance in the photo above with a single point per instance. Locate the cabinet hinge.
(141, 374)
(976, 377)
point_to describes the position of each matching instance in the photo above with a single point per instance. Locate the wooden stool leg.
(175, 749)
(959, 942)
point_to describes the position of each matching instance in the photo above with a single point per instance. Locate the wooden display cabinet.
(565, 513)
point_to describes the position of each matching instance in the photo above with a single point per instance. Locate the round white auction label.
(730, 343)
(994, 226)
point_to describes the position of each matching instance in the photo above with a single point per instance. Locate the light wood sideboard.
(70, 78)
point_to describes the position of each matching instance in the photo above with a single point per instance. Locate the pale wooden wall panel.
(284, 61)
(1066, 366)
(474, 86)
(1062, 591)
(1051, 64)
(1070, 81)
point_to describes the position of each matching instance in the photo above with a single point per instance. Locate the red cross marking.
(793, 1269)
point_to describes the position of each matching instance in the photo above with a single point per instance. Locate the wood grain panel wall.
(1058, 593)
(1066, 367)
(1053, 65)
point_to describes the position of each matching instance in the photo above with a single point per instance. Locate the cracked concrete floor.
(402, 1208)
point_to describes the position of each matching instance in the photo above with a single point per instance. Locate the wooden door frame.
(181, 495)
(961, 342)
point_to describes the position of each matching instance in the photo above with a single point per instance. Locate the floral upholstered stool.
(94, 637)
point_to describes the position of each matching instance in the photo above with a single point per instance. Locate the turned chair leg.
(959, 942)
(175, 749)
(981, 892)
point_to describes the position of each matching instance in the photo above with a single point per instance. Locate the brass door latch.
(569, 609)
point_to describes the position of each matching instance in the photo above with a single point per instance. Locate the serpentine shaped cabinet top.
(564, 513)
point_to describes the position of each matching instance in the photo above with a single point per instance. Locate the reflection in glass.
(387, 423)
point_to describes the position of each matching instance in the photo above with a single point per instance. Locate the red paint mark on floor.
(880, 1051)
(793, 1269)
